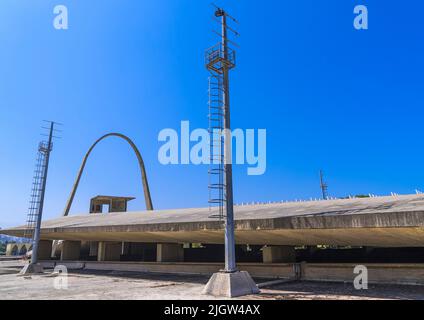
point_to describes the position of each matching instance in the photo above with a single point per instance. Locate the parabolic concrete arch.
(145, 183)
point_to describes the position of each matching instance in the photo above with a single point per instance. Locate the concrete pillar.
(45, 248)
(9, 248)
(101, 251)
(278, 254)
(71, 250)
(169, 252)
(109, 251)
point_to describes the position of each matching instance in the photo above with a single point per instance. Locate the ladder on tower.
(216, 167)
(36, 190)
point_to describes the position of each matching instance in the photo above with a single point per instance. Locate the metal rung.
(217, 187)
(216, 171)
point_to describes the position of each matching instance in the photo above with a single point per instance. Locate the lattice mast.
(220, 59)
(38, 191)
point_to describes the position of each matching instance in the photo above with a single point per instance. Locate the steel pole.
(34, 257)
(230, 248)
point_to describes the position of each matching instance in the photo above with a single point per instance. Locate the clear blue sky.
(331, 97)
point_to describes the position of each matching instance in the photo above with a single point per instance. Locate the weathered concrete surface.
(104, 285)
(402, 274)
(378, 273)
(231, 285)
(380, 222)
(258, 270)
(31, 269)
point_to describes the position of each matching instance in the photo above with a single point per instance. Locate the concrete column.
(45, 248)
(71, 250)
(278, 254)
(169, 252)
(9, 248)
(101, 251)
(109, 251)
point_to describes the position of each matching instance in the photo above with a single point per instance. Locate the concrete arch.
(146, 189)
(17, 249)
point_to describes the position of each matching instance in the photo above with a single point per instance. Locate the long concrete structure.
(387, 273)
(395, 221)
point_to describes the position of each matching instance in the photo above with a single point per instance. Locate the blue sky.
(331, 97)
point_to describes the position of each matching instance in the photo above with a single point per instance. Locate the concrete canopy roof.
(382, 221)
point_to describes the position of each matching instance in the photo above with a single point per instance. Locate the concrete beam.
(169, 252)
(71, 250)
(278, 254)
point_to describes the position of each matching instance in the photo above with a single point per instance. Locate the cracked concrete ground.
(138, 286)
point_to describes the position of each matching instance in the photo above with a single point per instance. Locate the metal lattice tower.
(38, 190)
(220, 59)
(323, 185)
